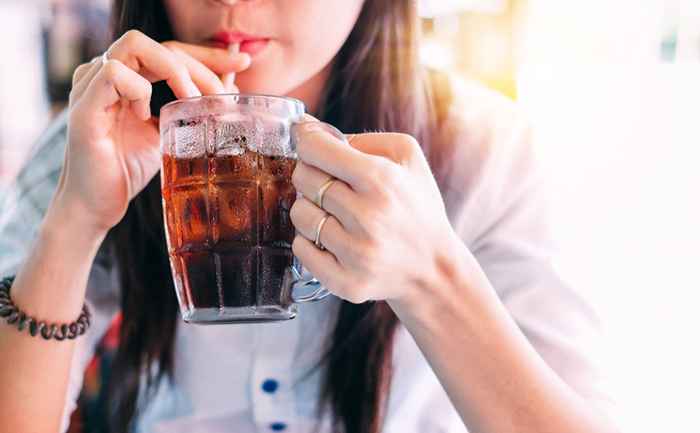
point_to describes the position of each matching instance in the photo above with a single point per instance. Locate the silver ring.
(321, 191)
(319, 227)
(104, 58)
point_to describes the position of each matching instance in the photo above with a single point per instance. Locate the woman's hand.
(388, 226)
(389, 238)
(113, 142)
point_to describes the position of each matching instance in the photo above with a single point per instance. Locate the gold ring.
(319, 227)
(322, 191)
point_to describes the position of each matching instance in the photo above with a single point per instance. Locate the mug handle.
(318, 291)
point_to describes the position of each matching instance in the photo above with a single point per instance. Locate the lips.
(250, 44)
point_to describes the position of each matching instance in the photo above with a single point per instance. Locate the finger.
(206, 80)
(154, 61)
(81, 70)
(317, 147)
(115, 81)
(321, 264)
(339, 199)
(306, 218)
(82, 77)
(219, 60)
(399, 148)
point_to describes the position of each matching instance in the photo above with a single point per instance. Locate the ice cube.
(235, 133)
(190, 209)
(189, 138)
(275, 139)
(235, 209)
(229, 139)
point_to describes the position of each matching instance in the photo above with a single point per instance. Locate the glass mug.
(226, 181)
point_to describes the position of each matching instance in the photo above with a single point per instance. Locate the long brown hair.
(377, 85)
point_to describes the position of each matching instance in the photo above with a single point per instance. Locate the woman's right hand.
(113, 142)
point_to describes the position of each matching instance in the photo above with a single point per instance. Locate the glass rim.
(244, 96)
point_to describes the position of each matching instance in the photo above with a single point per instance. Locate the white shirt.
(253, 378)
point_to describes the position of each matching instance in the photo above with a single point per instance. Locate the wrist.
(453, 279)
(68, 220)
(51, 283)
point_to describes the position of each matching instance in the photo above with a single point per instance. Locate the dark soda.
(229, 228)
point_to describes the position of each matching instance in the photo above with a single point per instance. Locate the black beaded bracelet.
(14, 316)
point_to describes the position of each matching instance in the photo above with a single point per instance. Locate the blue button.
(270, 386)
(278, 426)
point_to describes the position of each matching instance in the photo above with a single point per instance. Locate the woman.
(458, 261)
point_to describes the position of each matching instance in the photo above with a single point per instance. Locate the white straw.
(228, 78)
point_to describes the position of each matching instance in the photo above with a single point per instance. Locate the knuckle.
(357, 294)
(295, 244)
(297, 175)
(379, 205)
(79, 71)
(372, 177)
(294, 212)
(111, 68)
(390, 174)
(132, 36)
(382, 176)
(408, 143)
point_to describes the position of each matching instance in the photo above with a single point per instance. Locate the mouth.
(250, 44)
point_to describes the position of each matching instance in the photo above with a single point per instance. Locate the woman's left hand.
(389, 239)
(387, 227)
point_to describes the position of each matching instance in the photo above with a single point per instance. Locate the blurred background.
(612, 88)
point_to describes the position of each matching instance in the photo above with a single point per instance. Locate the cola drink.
(229, 230)
(226, 178)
